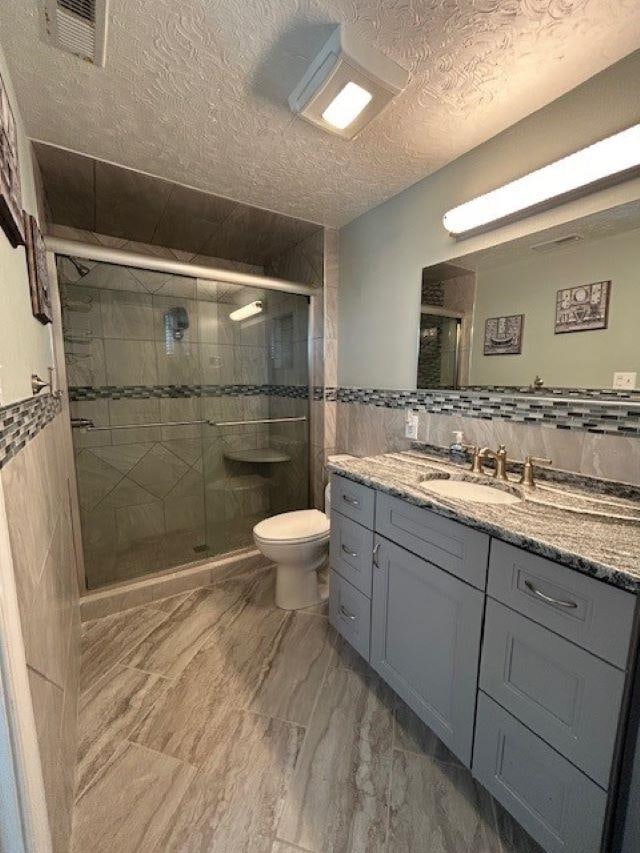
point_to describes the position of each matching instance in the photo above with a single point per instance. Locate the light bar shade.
(615, 157)
(246, 311)
(347, 105)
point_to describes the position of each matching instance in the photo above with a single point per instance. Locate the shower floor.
(212, 721)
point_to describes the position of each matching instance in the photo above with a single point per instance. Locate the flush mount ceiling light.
(246, 311)
(347, 84)
(610, 161)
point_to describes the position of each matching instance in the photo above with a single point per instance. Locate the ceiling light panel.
(604, 163)
(347, 84)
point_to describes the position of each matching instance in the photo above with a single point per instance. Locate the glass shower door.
(256, 406)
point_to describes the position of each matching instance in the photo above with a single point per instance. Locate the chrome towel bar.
(86, 423)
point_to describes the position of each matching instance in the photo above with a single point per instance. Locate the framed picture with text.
(11, 218)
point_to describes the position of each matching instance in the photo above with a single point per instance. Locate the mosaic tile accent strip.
(610, 416)
(22, 421)
(118, 392)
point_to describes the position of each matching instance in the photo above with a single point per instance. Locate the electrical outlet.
(624, 381)
(411, 425)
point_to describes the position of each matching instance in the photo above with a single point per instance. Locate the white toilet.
(298, 543)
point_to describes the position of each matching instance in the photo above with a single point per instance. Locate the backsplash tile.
(615, 414)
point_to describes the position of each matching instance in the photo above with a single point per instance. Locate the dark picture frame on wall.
(583, 308)
(11, 218)
(503, 335)
(38, 273)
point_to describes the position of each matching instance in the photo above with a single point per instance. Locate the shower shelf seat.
(264, 454)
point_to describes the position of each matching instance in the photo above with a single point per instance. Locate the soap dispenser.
(456, 449)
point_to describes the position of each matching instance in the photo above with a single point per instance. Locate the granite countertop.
(595, 534)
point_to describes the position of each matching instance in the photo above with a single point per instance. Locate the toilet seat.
(303, 525)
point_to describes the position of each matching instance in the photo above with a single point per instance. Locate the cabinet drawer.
(447, 544)
(564, 694)
(556, 803)
(588, 612)
(350, 613)
(353, 500)
(351, 552)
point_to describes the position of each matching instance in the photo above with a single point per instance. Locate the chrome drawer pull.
(348, 552)
(350, 501)
(569, 604)
(346, 613)
(376, 548)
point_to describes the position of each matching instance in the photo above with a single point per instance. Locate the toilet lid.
(293, 526)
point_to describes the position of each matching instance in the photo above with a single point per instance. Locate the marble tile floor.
(214, 722)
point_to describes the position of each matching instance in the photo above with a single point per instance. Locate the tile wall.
(36, 482)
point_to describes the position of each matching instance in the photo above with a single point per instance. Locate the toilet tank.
(327, 500)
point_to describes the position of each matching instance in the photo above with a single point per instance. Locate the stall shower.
(190, 403)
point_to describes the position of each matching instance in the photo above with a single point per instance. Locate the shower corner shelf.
(262, 455)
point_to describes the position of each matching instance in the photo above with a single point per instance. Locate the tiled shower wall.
(169, 495)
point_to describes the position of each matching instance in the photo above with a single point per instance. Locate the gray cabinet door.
(556, 803)
(564, 694)
(425, 642)
(448, 544)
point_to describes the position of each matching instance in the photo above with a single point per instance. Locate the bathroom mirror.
(559, 308)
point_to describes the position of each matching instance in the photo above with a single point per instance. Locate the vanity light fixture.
(246, 311)
(607, 162)
(347, 84)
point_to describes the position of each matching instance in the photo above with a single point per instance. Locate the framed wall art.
(37, 266)
(503, 335)
(583, 308)
(11, 218)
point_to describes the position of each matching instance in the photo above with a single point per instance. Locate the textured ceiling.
(85, 193)
(197, 91)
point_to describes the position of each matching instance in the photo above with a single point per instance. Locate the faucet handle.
(527, 478)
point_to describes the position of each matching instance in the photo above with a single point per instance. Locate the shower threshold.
(124, 595)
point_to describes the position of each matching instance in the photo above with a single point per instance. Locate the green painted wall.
(383, 252)
(529, 286)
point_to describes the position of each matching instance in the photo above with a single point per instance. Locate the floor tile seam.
(265, 715)
(453, 764)
(195, 767)
(279, 840)
(126, 652)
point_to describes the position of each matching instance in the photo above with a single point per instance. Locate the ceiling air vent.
(78, 26)
(558, 243)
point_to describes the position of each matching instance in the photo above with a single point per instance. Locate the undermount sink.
(464, 490)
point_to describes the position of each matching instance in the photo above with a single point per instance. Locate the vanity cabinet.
(521, 666)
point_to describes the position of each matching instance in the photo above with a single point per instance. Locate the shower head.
(81, 269)
(176, 322)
